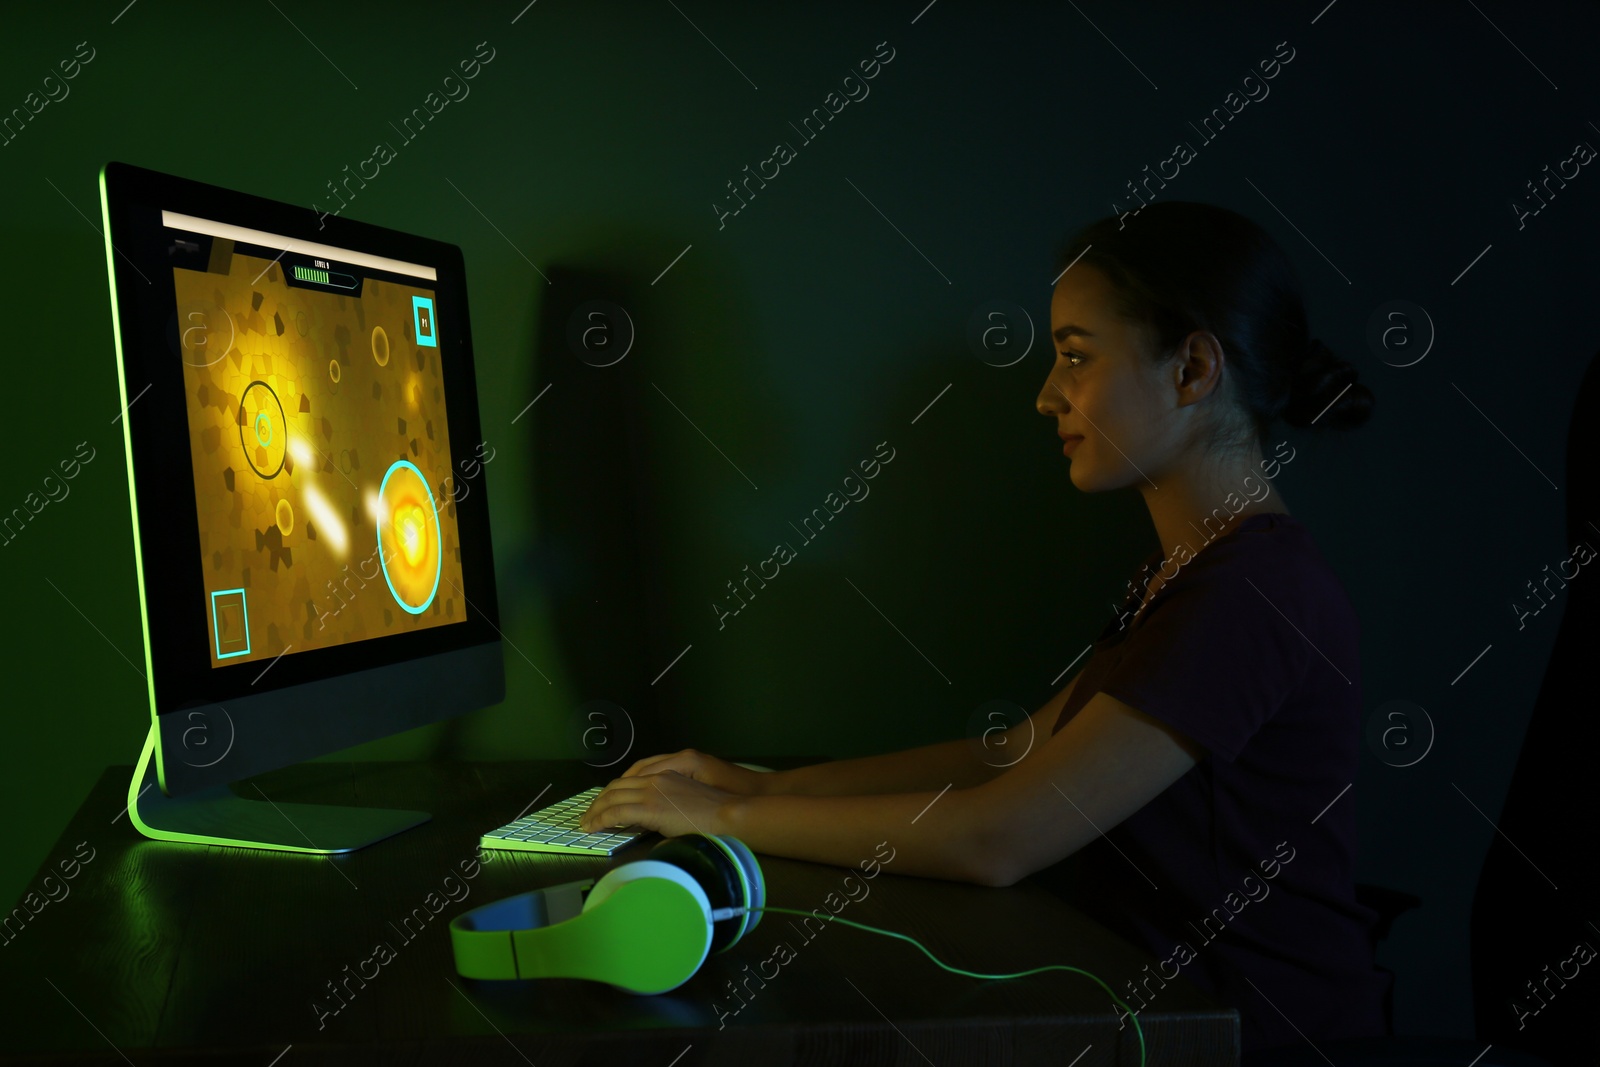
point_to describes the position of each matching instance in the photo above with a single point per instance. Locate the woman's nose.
(1049, 400)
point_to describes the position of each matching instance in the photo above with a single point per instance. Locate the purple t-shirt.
(1241, 871)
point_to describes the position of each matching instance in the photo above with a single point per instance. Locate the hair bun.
(1326, 392)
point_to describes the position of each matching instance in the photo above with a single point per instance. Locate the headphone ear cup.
(754, 883)
(659, 938)
(716, 872)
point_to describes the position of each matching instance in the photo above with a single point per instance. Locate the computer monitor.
(310, 515)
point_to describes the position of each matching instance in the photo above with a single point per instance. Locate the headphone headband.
(644, 927)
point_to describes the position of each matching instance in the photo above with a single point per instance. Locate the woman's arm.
(960, 763)
(1104, 765)
(929, 834)
(908, 770)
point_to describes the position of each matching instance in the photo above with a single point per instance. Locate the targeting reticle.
(262, 432)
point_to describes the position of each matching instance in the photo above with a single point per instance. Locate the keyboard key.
(555, 829)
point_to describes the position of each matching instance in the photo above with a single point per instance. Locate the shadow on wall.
(595, 551)
(636, 524)
(596, 509)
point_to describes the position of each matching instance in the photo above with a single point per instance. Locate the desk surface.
(157, 952)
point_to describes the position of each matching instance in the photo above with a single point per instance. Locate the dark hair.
(1181, 266)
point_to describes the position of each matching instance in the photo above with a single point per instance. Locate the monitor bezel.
(270, 716)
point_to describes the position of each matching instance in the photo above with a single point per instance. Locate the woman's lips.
(1069, 442)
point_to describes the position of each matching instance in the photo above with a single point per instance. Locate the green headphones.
(647, 926)
(644, 927)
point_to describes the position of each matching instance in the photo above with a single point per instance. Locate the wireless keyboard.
(555, 829)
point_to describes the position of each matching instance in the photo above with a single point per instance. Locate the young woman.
(1212, 737)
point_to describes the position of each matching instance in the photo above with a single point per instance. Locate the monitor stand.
(216, 816)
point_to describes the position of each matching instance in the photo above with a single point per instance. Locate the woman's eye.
(1070, 356)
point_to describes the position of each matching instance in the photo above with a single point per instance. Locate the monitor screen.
(320, 450)
(306, 478)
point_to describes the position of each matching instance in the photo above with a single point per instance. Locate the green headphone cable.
(1138, 1029)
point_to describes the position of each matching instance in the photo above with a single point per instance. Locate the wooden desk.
(162, 952)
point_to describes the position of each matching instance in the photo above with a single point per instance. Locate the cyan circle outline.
(259, 416)
(438, 538)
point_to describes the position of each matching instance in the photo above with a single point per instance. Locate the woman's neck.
(1191, 508)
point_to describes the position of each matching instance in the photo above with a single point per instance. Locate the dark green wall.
(808, 330)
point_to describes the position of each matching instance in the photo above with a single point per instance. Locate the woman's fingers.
(607, 809)
(640, 765)
(648, 765)
(682, 762)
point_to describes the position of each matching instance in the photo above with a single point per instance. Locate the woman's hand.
(669, 803)
(717, 773)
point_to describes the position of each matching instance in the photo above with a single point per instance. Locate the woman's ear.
(1198, 364)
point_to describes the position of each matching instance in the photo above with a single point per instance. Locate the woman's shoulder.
(1265, 540)
(1274, 552)
(1268, 563)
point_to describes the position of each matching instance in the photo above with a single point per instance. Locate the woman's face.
(1105, 388)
